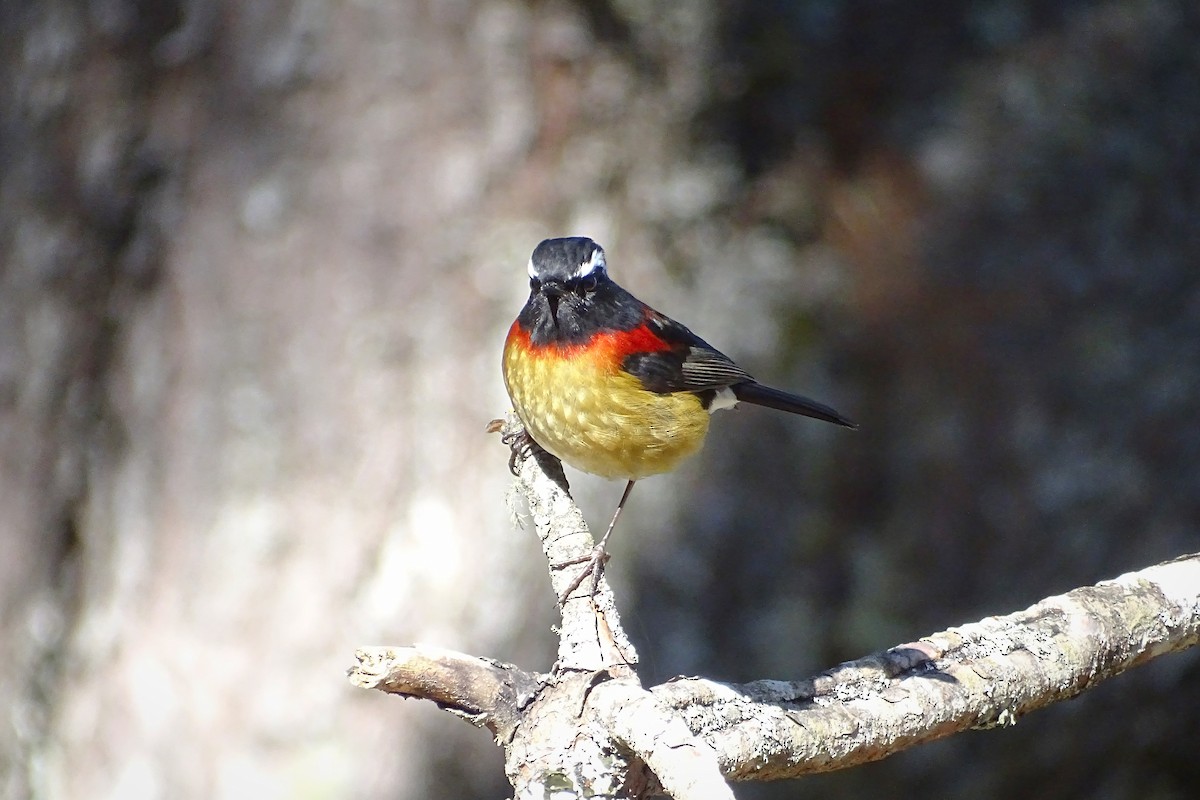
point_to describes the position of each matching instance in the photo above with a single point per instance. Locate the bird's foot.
(595, 568)
(522, 446)
(520, 443)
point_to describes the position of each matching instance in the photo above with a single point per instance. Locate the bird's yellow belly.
(601, 420)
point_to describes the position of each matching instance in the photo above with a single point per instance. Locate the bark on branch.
(589, 728)
(981, 675)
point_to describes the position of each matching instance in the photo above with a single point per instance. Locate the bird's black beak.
(555, 289)
(553, 292)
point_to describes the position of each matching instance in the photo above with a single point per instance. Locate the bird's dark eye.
(586, 285)
(535, 285)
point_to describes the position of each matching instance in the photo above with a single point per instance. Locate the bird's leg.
(617, 513)
(599, 556)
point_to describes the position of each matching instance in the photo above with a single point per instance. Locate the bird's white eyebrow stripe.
(595, 262)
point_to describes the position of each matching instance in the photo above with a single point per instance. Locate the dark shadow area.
(856, 75)
(1024, 367)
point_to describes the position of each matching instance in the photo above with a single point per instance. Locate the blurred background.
(256, 265)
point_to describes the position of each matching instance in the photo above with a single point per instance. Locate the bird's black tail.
(759, 395)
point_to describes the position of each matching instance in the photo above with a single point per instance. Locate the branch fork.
(590, 729)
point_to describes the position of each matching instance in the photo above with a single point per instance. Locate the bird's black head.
(570, 295)
(563, 261)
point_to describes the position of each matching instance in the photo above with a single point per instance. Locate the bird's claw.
(595, 568)
(519, 442)
(520, 446)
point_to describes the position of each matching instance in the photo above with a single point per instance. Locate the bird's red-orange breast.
(578, 403)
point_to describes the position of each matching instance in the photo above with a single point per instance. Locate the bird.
(613, 387)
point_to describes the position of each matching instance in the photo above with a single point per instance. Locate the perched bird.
(613, 387)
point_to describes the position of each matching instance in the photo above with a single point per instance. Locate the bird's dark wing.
(685, 362)
(673, 359)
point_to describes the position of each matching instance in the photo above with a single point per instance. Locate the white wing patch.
(724, 398)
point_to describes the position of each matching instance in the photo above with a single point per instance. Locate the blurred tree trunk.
(250, 279)
(258, 262)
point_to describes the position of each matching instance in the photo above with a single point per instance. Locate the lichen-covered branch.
(589, 728)
(591, 637)
(983, 674)
(594, 730)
